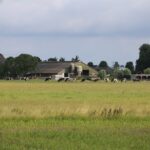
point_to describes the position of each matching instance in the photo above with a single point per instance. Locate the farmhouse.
(64, 69)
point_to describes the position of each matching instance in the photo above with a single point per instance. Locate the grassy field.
(70, 116)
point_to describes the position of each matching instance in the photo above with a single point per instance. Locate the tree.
(75, 59)
(90, 64)
(122, 73)
(117, 73)
(102, 74)
(147, 71)
(2, 58)
(116, 65)
(144, 58)
(2, 72)
(62, 59)
(20, 65)
(10, 67)
(2, 61)
(103, 64)
(130, 66)
(52, 59)
(127, 73)
(25, 63)
(37, 59)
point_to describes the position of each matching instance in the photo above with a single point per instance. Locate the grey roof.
(52, 67)
(57, 67)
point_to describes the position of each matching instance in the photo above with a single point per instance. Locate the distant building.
(141, 76)
(65, 69)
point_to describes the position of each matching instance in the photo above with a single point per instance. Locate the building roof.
(92, 71)
(58, 67)
(52, 67)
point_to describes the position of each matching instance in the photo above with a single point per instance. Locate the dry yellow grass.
(39, 99)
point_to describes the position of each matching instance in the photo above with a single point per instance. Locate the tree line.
(142, 64)
(24, 63)
(18, 66)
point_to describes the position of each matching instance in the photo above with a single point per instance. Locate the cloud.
(109, 30)
(75, 17)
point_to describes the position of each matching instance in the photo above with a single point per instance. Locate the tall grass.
(36, 115)
(39, 99)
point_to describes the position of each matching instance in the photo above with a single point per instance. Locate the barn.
(64, 69)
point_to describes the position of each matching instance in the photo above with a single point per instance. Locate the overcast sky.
(111, 30)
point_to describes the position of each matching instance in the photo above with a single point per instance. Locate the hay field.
(39, 99)
(70, 116)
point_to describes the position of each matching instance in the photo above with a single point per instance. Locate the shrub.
(102, 74)
(147, 71)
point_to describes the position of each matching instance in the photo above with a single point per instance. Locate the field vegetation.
(50, 115)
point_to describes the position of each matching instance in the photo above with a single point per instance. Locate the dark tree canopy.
(37, 59)
(62, 59)
(144, 58)
(2, 58)
(10, 66)
(25, 63)
(18, 66)
(2, 73)
(52, 59)
(75, 59)
(116, 65)
(103, 64)
(90, 64)
(130, 66)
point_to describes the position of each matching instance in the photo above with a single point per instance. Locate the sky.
(95, 30)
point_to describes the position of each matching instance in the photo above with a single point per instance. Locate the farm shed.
(141, 76)
(66, 69)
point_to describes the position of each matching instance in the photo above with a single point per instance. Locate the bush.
(102, 74)
(120, 74)
(127, 73)
(147, 71)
